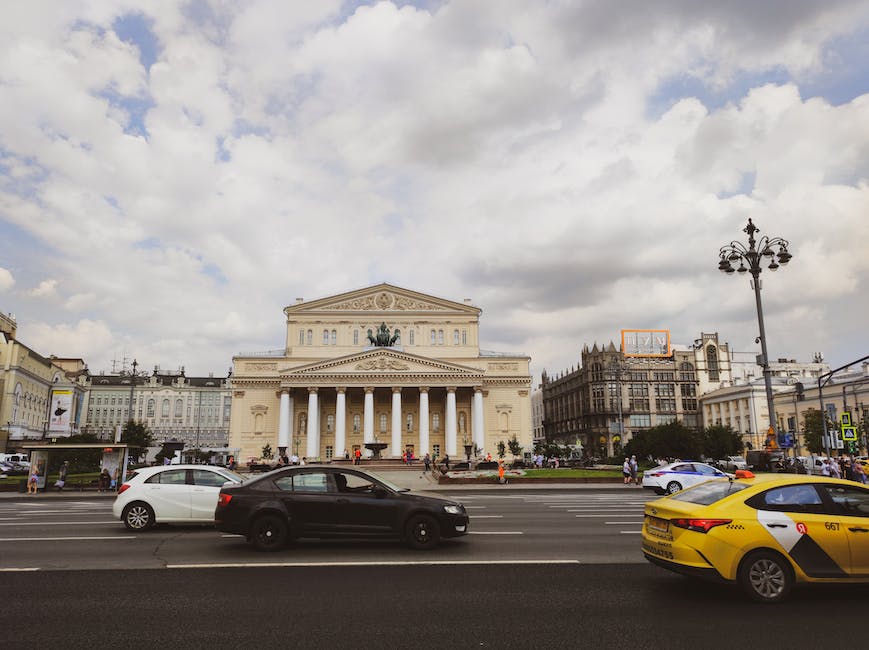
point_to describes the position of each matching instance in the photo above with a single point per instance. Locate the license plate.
(656, 523)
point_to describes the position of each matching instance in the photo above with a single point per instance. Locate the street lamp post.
(750, 260)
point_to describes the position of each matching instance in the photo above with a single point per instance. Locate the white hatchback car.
(171, 493)
(672, 477)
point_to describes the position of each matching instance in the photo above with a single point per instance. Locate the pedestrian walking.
(447, 462)
(104, 480)
(61, 475)
(859, 473)
(33, 479)
(426, 461)
(626, 471)
(501, 478)
(357, 456)
(635, 474)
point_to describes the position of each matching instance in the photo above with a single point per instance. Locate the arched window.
(150, 412)
(433, 337)
(436, 421)
(330, 423)
(410, 337)
(179, 406)
(409, 423)
(303, 423)
(397, 334)
(356, 422)
(310, 337)
(164, 412)
(325, 337)
(440, 337)
(712, 362)
(258, 423)
(333, 337)
(455, 337)
(383, 423)
(355, 337)
(462, 422)
(17, 402)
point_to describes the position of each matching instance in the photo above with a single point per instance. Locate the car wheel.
(765, 576)
(269, 533)
(422, 533)
(138, 516)
(673, 487)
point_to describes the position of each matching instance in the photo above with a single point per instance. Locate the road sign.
(849, 434)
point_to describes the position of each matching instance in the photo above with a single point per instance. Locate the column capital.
(312, 389)
(423, 389)
(478, 389)
(451, 389)
(341, 389)
(396, 389)
(369, 389)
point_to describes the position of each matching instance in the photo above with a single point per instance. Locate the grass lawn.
(572, 473)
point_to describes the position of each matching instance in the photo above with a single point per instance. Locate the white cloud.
(6, 280)
(46, 289)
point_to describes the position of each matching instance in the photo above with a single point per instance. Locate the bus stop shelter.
(115, 456)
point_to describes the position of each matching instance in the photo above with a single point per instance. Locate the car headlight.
(453, 510)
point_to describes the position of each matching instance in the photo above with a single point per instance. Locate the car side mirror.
(380, 493)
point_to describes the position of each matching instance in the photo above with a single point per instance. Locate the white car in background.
(171, 494)
(673, 477)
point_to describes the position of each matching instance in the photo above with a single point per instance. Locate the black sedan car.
(324, 501)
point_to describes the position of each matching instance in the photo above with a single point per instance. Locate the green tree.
(267, 453)
(138, 437)
(514, 446)
(673, 440)
(813, 430)
(502, 449)
(720, 441)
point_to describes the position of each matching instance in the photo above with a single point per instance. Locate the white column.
(313, 425)
(340, 423)
(368, 421)
(396, 422)
(451, 422)
(477, 417)
(284, 420)
(424, 447)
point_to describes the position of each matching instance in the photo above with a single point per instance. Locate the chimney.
(299, 301)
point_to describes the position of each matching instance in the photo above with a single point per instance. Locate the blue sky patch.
(214, 272)
(136, 109)
(136, 30)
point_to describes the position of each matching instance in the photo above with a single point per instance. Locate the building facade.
(611, 395)
(38, 398)
(380, 367)
(192, 410)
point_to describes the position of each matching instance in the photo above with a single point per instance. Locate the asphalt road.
(555, 569)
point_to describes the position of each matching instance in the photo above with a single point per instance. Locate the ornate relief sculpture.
(381, 364)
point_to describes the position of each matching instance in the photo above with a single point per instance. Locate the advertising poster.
(646, 343)
(39, 463)
(60, 411)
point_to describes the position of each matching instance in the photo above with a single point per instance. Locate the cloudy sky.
(173, 174)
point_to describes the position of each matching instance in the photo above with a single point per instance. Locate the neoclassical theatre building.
(382, 366)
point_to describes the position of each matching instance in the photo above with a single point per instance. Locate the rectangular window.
(665, 419)
(641, 420)
(410, 337)
(464, 337)
(688, 390)
(355, 337)
(328, 452)
(665, 390)
(436, 450)
(639, 404)
(665, 405)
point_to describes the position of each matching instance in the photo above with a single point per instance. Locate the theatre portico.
(380, 364)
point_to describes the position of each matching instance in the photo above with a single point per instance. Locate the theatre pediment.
(382, 298)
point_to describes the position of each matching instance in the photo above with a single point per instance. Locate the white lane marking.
(607, 509)
(630, 532)
(346, 564)
(59, 523)
(612, 514)
(59, 512)
(476, 507)
(495, 532)
(13, 569)
(58, 539)
(622, 523)
(487, 516)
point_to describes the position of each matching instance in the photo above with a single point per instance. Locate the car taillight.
(223, 499)
(654, 473)
(699, 525)
(124, 487)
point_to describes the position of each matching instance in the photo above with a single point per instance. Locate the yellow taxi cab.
(765, 533)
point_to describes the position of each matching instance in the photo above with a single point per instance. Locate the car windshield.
(709, 492)
(392, 486)
(237, 478)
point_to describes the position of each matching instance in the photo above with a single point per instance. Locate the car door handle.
(859, 530)
(776, 525)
